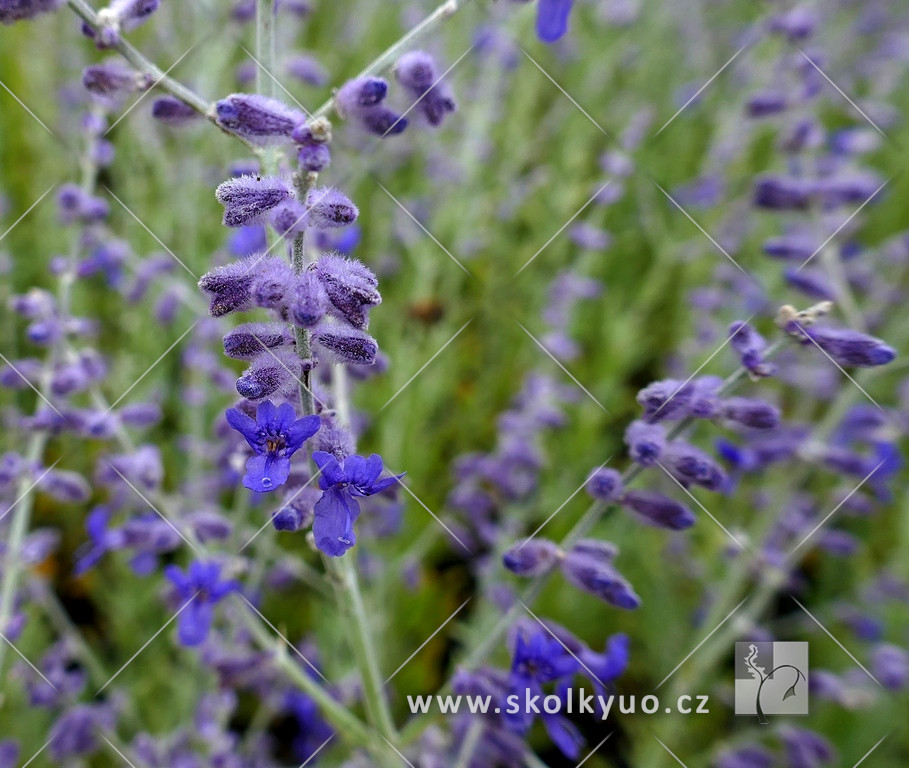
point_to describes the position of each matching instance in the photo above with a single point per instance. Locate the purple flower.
(172, 111)
(658, 510)
(416, 71)
(666, 399)
(308, 301)
(250, 339)
(329, 209)
(645, 442)
(345, 345)
(538, 660)
(361, 99)
(891, 666)
(113, 78)
(552, 19)
(350, 286)
(257, 119)
(748, 412)
(783, 193)
(750, 346)
(247, 199)
(230, 288)
(275, 435)
(850, 348)
(276, 371)
(605, 484)
(588, 565)
(531, 557)
(337, 510)
(202, 587)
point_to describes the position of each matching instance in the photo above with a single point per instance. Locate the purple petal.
(244, 425)
(265, 473)
(195, 621)
(333, 523)
(332, 473)
(299, 432)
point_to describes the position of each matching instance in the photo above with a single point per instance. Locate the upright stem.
(344, 572)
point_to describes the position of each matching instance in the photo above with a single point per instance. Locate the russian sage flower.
(849, 348)
(658, 510)
(351, 288)
(361, 99)
(750, 347)
(417, 72)
(258, 119)
(341, 344)
(329, 209)
(337, 510)
(274, 435)
(605, 484)
(202, 587)
(247, 199)
(588, 565)
(169, 110)
(531, 557)
(230, 288)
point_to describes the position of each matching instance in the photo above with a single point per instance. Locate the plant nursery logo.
(771, 679)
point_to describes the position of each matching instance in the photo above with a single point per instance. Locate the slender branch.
(385, 59)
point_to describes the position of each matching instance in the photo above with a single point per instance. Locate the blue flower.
(275, 435)
(552, 19)
(201, 585)
(338, 508)
(542, 659)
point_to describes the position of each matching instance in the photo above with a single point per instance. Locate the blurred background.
(580, 157)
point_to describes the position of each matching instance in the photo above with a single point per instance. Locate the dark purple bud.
(804, 748)
(289, 218)
(750, 346)
(849, 188)
(258, 119)
(588, 570)
(703, 401)
(35, 304)
(314, 158)
(113, 78)
(273, 279)
(361, 92)
(17, 10)
(850, 348)
(645, 442)
(605, 484)
(276, 371)
(781, 193)
(296, 510)
(346, 345)
(351, 288)
(791, 247)
(76, 205)
(531, 557)
(250, 339)
(690, 465)
(329, 209)
(666, 399)
(764, 104)
(230, 288)
(383, 122)
(209, 525)
(748, 756)
(417, 72)
(755, 414)
(247, 199)
(308, 302)
(658, 510)
(172, 111)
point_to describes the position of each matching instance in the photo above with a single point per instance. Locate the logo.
(771, 679)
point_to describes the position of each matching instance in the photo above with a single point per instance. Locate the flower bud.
(256, 118)
(250, 339)
(346, 345)
(230, 288)
(531, 557)
(658, 510)
(247, 199)
(605, 484)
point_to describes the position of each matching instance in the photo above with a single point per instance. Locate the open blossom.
(275, 435)
(552, 19)
(202, 586)
(342, 483)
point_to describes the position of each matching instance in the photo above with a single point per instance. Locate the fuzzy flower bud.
(751, 413)
(288, 218)
(851, 348)
(308, 302)
(172, 111)
(230, 288)
(658, 510)
(666, 399)
(247, 199)
(250, 339)
(589, 567)
(273, 279)
(257, 119)
(750, 346)
(351, 287)
(330, 209)
(645, 442)
(17, 10)
(113, 78)
(531, 557)
(346, 345)
(690, 465)
(605, 484)
(274, 371)
(417, 72)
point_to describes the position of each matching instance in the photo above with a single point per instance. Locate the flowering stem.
(385, 59)
(85, 12)
(490, 636)
(345, 575)
(303, 184)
